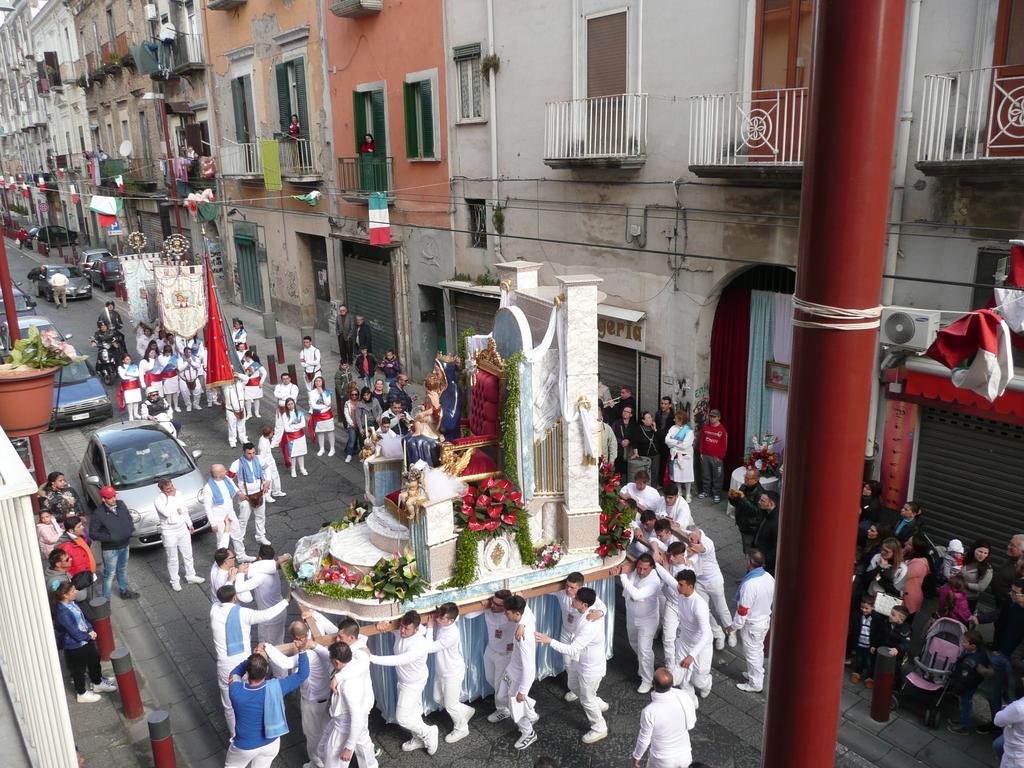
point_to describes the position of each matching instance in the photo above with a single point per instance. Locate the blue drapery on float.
(474, 643)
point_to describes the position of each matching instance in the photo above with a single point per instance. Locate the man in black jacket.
(112, 526)
(362, 336)
(746, 508)
(397, 392)
(766, 537)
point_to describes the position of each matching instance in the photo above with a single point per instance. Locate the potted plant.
(26, 382)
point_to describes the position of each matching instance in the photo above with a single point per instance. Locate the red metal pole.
(848, 162)
(99, 615)
(279, 344)
(127, 683)
(272, 367)
(161, 740)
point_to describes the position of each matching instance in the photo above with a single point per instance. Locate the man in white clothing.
(348, 633)
(234, 409)
(641, 492)
(669, 564)
(190, 371)
(449, 668)
(711, 585)
(641, 589)
(219, 501)
(410, 662)
(231, 625)
(521, 672)
(571, 618)
(175, 534)
(753, 618)
(309, 359)
(225, 570)
(500, 633)
(694, 649)
(286, 390)
(253, 486)
(674, 507)
(267, 591)
(643, 528)
(587, 662)
(1011, 719)
(665, 726)
(348, 732)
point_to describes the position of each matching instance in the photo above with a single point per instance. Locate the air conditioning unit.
(909, 328)
(151, 12)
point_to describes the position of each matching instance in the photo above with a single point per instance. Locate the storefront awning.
(621, 313)
(925, 380)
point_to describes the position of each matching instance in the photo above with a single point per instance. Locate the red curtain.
(730, 344)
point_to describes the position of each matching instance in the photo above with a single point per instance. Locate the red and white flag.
(120, 183)
(74, 194)
(977, 349)
(1009, 299)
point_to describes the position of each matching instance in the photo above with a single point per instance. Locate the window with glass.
(477, 223)
(419, 120)
(471, 82)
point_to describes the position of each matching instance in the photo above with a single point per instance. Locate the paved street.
(168, 635)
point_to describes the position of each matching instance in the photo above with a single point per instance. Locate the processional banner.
(181, 298)
(140, 285)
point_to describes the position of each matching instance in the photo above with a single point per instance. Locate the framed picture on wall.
(776, 375)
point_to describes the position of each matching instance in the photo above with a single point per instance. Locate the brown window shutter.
(194, 138)
(606, 55)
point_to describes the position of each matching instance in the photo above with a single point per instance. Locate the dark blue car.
(78, 396)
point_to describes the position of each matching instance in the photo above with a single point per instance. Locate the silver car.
(132, 457)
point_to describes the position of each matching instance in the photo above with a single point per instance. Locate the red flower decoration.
(508, 519)
(487, 484)
(517, 498)
(505, 485)
(483, 500)
(492, 525)
(495, 512)
(473, 525)
(499, 497)
(467, 510)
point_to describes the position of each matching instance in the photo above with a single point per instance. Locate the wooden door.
(604, 134)
(1005, 135)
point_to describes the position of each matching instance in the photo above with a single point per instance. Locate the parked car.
(132, 457)
(88, 256)
(104, 272)
(78, 284)
(24, 323)
(33, 233)
(23, 303)
(52, 235)
(79, 397)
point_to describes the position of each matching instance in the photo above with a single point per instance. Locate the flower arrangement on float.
(548, 556)
(762, 456)
(490, 507)
(615, 531)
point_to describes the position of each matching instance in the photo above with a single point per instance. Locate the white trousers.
(507, 691)
(315, 716)
(259, 516)
(211, 394)
(697, 677)
(448, 690)
(252, 406)
(409, 711)
(586, 689)
(752, 636)
(191, 397)
(175, 544)
(261, 757)
(332, 744)
(641, 639)
(495, 665)
(272, 476)
(220, 525)
(669, 628)
(676, 761)
(236, 429)
(223, 670)
(714, 595)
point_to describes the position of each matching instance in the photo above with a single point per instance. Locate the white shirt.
(360, 666)
(316, 687)
(678, 512)
(694, 633)
(284, 391)
(349, 702)
(247, 481)
(409, 659)
(447, 649)
(641, 596)
(522, 666)
(263, 451)
(1011, 719)
(659, 727)
(500, 632)
(217, 512)
(173, 515)
(59, 280)
(587, 648)
(189, 369)
(755, 603)
(708, 572)
(648, 498)
(320, 402)
(571, 618)
(243, 584)
(234, 395)
(247, 616)
(310, 359)
(267, 578)
(669, 585)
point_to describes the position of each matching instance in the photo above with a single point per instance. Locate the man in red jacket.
(713, 442)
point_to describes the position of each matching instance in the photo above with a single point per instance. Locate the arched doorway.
(752, 326)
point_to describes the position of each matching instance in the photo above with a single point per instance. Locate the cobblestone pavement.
(169, 638)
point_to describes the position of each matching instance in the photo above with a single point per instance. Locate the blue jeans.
(967, 708)
(1002, 674)
(115, 560)
(997, 745)
(352, 444)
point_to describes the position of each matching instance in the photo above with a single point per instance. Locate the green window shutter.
(379, 129)
(238, 101)
(301, 108)
(427, 118)
(284, 98)
(411, 138)
(359, 117)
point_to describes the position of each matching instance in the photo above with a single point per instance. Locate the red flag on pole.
(221, 358)
(977, 350)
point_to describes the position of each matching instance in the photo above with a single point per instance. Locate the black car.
(104, 273)
(52, 236)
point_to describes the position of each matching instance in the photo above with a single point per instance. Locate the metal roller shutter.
(968, 479)
(472, 311)
(153, 228)
(606, 55)
(616, 367)
(368, 283)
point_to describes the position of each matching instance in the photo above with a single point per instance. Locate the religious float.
(498, 490)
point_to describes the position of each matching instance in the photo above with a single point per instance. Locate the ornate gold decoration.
(370, 447)
(453, 461)
(506, 286)
(176, 246)
(137, 240)
(489, 359)
(558, 300)
(413, 498)
(497, 554)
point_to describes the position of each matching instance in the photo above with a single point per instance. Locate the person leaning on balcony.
(367, 147)
(294, 129)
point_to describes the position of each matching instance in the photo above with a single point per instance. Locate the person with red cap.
(112, 526)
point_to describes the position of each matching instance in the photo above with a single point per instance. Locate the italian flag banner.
(1009, 299)
(977, 349)
(380, 224)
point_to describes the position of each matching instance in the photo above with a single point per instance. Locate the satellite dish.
(125, 149)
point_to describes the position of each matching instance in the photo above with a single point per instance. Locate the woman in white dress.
(169, 365)
(129, 395)
(239, 336)
(679, 440)
(321, 416)
(254, 384)
(293, 437)
(150, 371)
(143, 336)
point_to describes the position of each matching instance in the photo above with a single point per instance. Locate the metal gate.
(968, 479)
(472, 311)
(616, 367)
(649, 396)
(249, 272)
(151, 225)
(368, 285)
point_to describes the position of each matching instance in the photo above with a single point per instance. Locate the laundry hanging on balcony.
(145, 55)
(312, 198)
(107, 209)
(1008, 299)
(976, 348)
(270, 157)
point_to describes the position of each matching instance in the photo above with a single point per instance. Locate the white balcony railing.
(241, 159)
(766, 127)
(602, 128)
(974, 114)
(298, 158)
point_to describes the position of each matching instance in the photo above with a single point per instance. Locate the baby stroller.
(933, 669)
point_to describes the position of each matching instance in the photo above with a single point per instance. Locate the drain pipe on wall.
(876, 418)
(493, 120)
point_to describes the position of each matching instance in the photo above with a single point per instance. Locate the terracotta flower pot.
(26, 401)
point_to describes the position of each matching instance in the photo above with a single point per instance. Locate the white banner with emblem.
(181, 298)
(140, 286)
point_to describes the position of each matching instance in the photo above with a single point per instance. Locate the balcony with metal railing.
(601, 131)
(353, 9)
(299, 160)
(363, 175)
(188, 54)
(972, 122)
(757, 134)
(224, 5)
(240, 159)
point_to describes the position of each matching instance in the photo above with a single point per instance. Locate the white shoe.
(703, 692)
(731, 639)
(524, 741)
(748, 688)
(604, 705)
(644, 688)
(263, 540)
(457, 735)
(320, 452)
(498, 715)
(590, 737)
(432, 740)
(280, 495)
(88, 697)
(348, 459)
(106, 686)
(293, 471)
(270, 499)
(176, 586)
(199, 407)
(412, 745)
(304, 472)
(570, 696)
(195, 579)
(719, 643)
(188, 409)
(330, 452)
